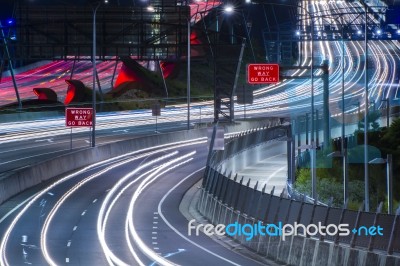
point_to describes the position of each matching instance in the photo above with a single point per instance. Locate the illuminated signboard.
(262, 73)
(78, 117)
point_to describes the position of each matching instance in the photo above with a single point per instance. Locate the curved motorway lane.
(122, 211)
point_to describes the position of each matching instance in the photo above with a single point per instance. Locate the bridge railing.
(226, 199)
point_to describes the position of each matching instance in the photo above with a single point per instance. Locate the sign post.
(156, 111)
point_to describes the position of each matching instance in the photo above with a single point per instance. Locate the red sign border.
(261, 82)
(80, 108)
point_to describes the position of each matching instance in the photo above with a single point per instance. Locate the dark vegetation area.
(381, 141)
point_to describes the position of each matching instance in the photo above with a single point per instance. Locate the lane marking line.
(176, 230)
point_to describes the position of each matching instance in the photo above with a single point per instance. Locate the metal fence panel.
(219, 186)
(262, 207)
(333, 218)
(209, 177)
(349, 218)
(283, 210)
(306, 214)
(235, 194)
(223, 189)
(320, 213)
(213, 188)
(386, 222)
(206, 175)
(242, 198)
(248, 199)
(367, 220)
(252, 205)
(295, 208)
(229, 190)
(273, 208)
(396, 241)
(213, 177)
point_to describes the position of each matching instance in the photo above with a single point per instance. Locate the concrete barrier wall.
(17, 181)
(28, 116)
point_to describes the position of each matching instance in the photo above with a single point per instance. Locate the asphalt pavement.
(124, 212)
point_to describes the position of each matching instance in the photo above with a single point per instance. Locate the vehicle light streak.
(147, 181)
(6, 235)
(105, 209)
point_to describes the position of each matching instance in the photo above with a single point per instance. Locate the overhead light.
(379, 31)
(150, 8)
(106, 1)
(298, 33)
(228, 8)
(248, 1)
(359, 32)
(398, 31)
(10, 21)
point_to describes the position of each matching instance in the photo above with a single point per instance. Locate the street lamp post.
(188, 73)
(366, 174)
(343, 146)
(94, 77)
(94, 74)
(313, 145)
(389, 176)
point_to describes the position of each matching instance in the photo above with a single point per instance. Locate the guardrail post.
(393, 233)
(371, 238)
(354, 237)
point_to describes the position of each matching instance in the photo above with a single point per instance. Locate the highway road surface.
(122, 211)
